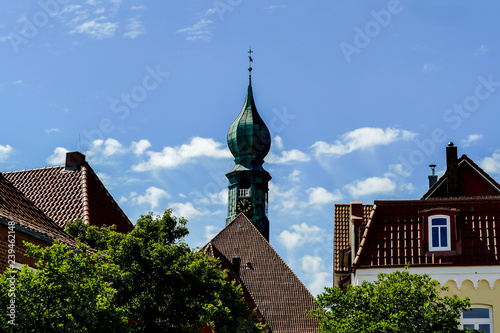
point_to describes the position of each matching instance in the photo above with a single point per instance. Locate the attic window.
(439, 233)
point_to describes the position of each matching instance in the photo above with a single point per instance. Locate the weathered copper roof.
(278, 293)
(66, 195)
(248, 138)
(14, 206)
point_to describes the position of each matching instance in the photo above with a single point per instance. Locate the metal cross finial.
(250, 60)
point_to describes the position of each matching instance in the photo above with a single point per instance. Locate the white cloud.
(152, 196)
(273, 7)
(320, 196)
(17, 82)
(198, 31)
(58, 157)
(186, 210)
(313, 268)
(491, 164)
(134, 28)
(52, 130)
(219, 198)
(471, 139)
(399, 170)
(105, 179)
(290, 156)
(210, 12)
(5, 152)
(294, 176)
(278, 142)
(211, 231)
(481, 50)
(172, 157)
(106, 148)
(361, 138)
(285, 199)
(370, 186)
(69, 8)
(139, 147)
(96, 29)
(301, 234)
(428, 68)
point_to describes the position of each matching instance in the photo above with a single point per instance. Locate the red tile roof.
(342, 217)
(14, 206)
(278, 293)
(394, 236)
(66, 195)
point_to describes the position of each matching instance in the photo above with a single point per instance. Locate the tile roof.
(474, 182)
(393, 237)
(65, 195)
(14, 206)
(278, 293)
(342, 217)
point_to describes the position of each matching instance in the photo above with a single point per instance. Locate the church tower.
(249, 141)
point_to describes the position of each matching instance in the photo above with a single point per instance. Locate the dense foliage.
(396, 302)
(146, 281)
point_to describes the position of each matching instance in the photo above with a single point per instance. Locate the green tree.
(396, 302)
(69, 292)
(164, 284)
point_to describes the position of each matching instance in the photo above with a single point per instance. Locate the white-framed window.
(439, 233)
(477, 318)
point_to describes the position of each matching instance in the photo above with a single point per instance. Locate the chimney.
(236, 265)
(452, 170)
(74, 160)
(433, 177)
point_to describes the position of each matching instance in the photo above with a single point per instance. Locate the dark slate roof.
(278, 293)
(342, 218)
(393, 237)
(14, 206)
(66, 195)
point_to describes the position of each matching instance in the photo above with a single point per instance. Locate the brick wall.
(19, 247)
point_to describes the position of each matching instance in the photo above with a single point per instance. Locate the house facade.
(452, 233)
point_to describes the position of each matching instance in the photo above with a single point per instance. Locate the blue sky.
(359, 97)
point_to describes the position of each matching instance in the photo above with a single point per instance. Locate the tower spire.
(249, 141)
(250, 60)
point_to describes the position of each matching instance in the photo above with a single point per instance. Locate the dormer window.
(439, 233)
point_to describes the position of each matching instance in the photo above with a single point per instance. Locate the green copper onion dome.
(248, 137)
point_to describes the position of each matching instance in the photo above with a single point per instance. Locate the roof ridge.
(113, 201)
(35, 169)
(85, 195)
